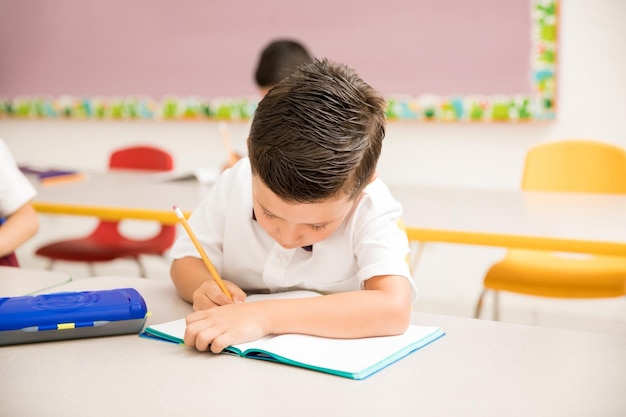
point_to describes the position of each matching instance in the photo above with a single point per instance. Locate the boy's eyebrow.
(268, 211)
(278, 217)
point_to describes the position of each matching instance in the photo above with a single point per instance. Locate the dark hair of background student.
(277, 60)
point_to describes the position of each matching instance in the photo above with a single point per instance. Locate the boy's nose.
(289, 236)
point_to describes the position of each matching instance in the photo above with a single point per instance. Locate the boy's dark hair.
(278, 59)
(318, 134)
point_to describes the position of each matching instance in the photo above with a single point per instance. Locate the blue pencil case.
(71, 315)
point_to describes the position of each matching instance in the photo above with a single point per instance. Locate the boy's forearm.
(370, 312)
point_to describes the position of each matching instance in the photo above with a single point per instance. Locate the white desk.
(480, 368)
(533, 220)
(119, 194)
(570, 222)
(23, 281)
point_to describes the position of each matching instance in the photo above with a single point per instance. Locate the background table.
(563, 222)
(572, 222)
(588, 223)
(480, 368)
(120, 194)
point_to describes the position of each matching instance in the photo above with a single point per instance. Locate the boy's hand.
(209, 295)
(218, 328)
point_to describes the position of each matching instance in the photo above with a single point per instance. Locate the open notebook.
(349, 358)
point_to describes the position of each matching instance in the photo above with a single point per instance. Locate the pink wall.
(209, 48)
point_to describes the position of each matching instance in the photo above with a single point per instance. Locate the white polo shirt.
(15, 189)
(368, 243)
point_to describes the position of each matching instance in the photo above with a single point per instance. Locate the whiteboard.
(209, 48)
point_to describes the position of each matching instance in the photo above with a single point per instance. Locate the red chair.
(106, 242)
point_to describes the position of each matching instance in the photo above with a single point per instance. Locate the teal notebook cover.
(348, 358)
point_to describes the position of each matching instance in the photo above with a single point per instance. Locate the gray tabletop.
(480, 368)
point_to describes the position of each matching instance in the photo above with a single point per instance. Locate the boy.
(304, 211)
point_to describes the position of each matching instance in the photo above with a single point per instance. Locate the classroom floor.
(448, 288)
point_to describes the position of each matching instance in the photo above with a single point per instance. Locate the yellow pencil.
(203, 255)
(232, 156)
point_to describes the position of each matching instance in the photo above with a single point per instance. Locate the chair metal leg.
(142, 268)
(496, 305)
(50, 264)
(479, 304)
(92, 270)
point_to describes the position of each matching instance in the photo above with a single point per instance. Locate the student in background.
(279, 58)
(18, 217)
(304, 211)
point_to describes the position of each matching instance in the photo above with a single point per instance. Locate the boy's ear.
(374, 176)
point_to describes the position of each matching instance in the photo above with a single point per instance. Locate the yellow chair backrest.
(575, 166)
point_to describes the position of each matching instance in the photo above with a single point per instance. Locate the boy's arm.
(382, 308)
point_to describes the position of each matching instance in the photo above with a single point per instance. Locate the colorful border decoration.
(128, 108)
(540, 105)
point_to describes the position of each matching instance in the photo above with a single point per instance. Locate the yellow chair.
(569, 166)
